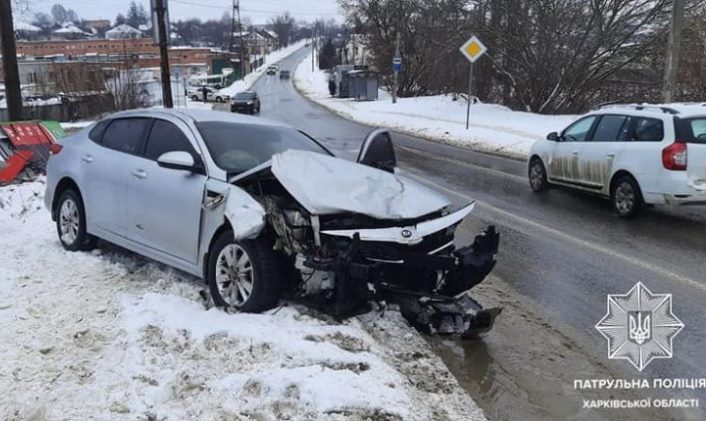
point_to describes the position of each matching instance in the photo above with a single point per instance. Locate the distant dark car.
(284, 74)
(245, 102)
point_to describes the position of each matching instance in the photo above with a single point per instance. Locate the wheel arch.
(225, 226)
(617, 175)
(64, 184)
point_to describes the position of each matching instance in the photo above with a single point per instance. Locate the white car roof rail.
(639, 107)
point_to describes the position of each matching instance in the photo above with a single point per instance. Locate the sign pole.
(470, 95)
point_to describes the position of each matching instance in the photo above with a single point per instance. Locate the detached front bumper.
(419, 269)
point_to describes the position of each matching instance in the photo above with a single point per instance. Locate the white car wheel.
(234, 275)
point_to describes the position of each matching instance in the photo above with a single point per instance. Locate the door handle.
(575, 153)
(87, 159)
(141, 174)
(610, 155)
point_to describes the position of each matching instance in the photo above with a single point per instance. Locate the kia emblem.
(406, 233)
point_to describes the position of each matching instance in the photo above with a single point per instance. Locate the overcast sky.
(259, 11)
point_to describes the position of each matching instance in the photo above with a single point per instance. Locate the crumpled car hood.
(326, 185)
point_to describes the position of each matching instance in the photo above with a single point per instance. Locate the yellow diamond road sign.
(473, 49)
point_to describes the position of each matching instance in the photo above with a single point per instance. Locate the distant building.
(70, 32)
(123, 32)
(355, 51)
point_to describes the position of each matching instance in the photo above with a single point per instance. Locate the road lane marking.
(467, 165)
(566, 237)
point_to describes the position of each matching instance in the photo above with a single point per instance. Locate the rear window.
(236, 147)
(244, 95)
(648, 130)
(125, 135)
(96, 133)
(692, 130)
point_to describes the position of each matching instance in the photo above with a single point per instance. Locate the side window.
(166, 137)
(96, 133)
(126, 134)
(698, 130)
(611, 128)
(648, 130)
(578, 132)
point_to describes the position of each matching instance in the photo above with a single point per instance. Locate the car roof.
(682, 110)
(199, 115)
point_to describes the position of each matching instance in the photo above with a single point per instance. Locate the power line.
(228, 8)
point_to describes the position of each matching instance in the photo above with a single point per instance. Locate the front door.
(164, 205)
(378, 151)
(564, 160)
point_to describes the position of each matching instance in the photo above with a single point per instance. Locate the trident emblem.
(640, 327)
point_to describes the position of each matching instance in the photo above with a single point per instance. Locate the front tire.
(626, 197)
(71, 223)
(195, 98)
(243, 275)
(538, 176)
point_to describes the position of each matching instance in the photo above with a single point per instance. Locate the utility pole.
(161, 9)
(236, 12)
(312, 49)
(395, 77)
(13, 90)
(671, 67)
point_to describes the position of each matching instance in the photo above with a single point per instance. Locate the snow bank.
(493, 128)
(272, 58)
(111, 335)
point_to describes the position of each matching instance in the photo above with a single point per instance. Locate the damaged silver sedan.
(262, 211)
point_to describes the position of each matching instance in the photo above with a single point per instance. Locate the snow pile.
(111, 335)
(493, 128)
(272, 58)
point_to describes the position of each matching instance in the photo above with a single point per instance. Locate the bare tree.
(544, 55)
(284, 26)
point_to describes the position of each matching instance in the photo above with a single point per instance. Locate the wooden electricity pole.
(671, 67)
(160, 8)
(13, 90)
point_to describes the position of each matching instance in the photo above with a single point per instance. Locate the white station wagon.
(635, 155)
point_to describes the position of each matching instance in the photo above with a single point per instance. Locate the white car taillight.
(675, 156)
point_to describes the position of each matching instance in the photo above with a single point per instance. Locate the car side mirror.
(553, 136)
(177, 160)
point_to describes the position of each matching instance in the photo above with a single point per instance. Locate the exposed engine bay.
(388, 241)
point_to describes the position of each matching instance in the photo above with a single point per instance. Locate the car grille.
(388, 251)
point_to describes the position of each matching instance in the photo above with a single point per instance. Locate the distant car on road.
(272, 70)
(245, 102)
(635, 155)
(284, 74)
(196, 94)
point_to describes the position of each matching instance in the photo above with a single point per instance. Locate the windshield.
(244, 95)
(237, 147)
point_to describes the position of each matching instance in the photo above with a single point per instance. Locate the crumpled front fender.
(245, 215)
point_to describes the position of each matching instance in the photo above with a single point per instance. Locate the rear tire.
(243, 275)
(70, 218)
(538, 176)
(626, 197)
(195, 98)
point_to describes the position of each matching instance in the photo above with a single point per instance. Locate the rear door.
(164, 205)
(693, 131)
(598, 154)
(564, 159)
(104, 174)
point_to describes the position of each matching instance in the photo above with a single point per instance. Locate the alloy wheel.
(68, 221)
(624, 198)
(234, 275)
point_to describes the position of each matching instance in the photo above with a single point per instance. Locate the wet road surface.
(561, 254)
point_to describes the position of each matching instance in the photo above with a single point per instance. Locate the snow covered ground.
(493, 128)
(272, 58)
(109, 335)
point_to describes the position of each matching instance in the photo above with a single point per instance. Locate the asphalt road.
(561, 254)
